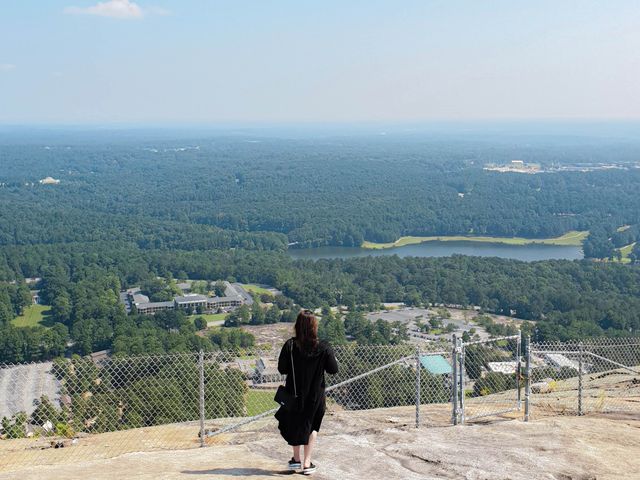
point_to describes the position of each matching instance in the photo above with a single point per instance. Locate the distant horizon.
(426, 121)
(612, 129)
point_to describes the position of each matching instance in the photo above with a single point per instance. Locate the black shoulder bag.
(284, 397)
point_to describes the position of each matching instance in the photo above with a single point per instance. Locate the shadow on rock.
(238, 472)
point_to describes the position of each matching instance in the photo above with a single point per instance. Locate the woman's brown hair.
(306, 330)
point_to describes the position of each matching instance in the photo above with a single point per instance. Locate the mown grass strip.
(572, 238)
(32, 316)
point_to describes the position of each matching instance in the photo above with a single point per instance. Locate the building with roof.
(236, 290)
(49, 181)
(191, 301)
(99, 358)
(267, 371)
(216, 303)
(35, 296)
(503, 367)
(139, 298)
(435, 364)
(235, 297)
(149, 308)
(558, 360)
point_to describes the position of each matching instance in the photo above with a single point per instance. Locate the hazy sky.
(280, 61)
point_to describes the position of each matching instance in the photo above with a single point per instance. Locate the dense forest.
(263, 194)
(566, 299)
(128, 211)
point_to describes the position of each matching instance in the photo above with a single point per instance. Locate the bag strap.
(293, 370)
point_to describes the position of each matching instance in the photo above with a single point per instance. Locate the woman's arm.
(330, 364)
(284, 359)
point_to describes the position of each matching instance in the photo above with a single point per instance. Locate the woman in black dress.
(311, 358)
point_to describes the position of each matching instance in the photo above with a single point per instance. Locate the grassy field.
(209, 317)
(33, 315)
(572, 238)
(250, 287)
(259, 401)
(625, 251)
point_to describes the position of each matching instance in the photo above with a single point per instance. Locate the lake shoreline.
(569, 239)
(526, 252)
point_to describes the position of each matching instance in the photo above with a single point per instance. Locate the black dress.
(310, 366)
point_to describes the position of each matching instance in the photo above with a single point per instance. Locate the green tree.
(257, 314)
(15, 427)
(331, 329)
(45, 411)
(220, 288)
(272, 315)
(200, 323)
(289, 316)
(61, 308)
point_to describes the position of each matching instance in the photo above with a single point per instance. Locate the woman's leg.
(296, 453)
(308, 449)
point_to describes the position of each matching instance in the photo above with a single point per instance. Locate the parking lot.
(410, 315)
(22, 385)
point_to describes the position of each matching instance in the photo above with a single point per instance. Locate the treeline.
(566, 299)
(282, 310)
(32, 344)
(28, 343)
(61, 224)
(232, 194)
(87, 316)
(126, 213)
(14, 297)
(354, 327)
(605, 242)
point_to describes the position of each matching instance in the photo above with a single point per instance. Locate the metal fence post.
(201, 395)
(581, 348)
(461, 373)
(519, 369)
(527, 387)
(418, 372)
(454, 380)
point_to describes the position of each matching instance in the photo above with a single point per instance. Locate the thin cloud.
(7, 67)
(157, 11)
(122, 9)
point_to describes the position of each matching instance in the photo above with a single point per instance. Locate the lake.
(527, 253)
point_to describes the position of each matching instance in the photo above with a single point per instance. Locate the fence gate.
(487, 378)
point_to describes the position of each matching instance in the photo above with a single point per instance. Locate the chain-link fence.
(488, 378)
(102, 407)
(105, 407)
(56, 410)
(577, 378)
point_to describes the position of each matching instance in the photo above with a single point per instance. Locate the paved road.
(21, 385)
